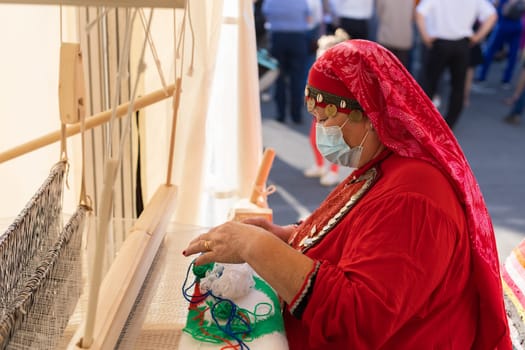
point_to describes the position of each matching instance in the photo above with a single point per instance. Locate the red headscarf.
(408, 124)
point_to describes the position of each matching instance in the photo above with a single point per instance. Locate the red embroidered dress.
(394, 270)
(410, 262)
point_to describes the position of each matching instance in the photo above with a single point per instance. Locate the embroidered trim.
(300, 301)
(315, 237)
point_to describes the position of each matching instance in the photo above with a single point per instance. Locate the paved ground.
(495, 150)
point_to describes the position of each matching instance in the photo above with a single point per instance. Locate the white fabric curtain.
(218, 142)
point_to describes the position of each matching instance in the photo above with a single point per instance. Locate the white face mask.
(333, 147)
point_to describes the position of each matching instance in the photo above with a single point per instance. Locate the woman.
(326, 171)
(401, 255)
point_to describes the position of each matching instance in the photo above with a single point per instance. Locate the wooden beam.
(258, 196)
(123, 281)
(105, 3)
(91, 122)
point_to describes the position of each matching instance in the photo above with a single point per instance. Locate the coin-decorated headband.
(331, 103)
(324, 89)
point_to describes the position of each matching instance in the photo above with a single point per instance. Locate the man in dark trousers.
(289, 44)
(446, 31)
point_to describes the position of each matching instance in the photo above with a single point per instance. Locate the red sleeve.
(396, 253)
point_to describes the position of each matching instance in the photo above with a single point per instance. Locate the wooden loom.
(140, 248)
(126, 275)
(135, 257)
(145, 236)
(111, 301)
(108, 3)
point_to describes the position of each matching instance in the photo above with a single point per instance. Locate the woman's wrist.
(255, 243)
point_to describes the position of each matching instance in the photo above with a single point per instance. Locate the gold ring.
(206, 245)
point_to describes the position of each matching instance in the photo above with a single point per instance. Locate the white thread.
(182, 39)
(90, 25)
(153, 49)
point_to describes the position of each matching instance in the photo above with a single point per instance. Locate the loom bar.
(105, 3)
(127, 273)
(91, 122)
(110, 173)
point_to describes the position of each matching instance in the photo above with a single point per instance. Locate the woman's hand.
(226, 243)
(283, 232)
(283, 267)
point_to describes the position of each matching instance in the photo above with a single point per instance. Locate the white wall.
(30, 43)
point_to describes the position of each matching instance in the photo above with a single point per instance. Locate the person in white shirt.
(354, 16)
(446, 31)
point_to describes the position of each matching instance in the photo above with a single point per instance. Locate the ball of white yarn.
(230, 281)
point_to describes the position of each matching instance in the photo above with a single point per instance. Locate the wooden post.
(258, 196)
(123, 281)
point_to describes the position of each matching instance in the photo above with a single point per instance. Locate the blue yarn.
(227, 328)
(192, 298)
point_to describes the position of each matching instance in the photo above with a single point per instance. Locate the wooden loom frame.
(108, 3)
(141, 246)
(120, 286)
(91, 122)
(122, 283)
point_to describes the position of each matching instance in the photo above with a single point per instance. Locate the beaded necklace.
(334, 208)
(310, 233)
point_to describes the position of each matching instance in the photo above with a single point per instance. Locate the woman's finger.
(204, 259)
(257, 221)
(201, 244)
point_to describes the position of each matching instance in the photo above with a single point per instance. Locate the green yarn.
(223, 309)
(265, 319)
(200, 270)
(272, 320)
(206, 330)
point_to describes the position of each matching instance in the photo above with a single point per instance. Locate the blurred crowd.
(447, 45)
